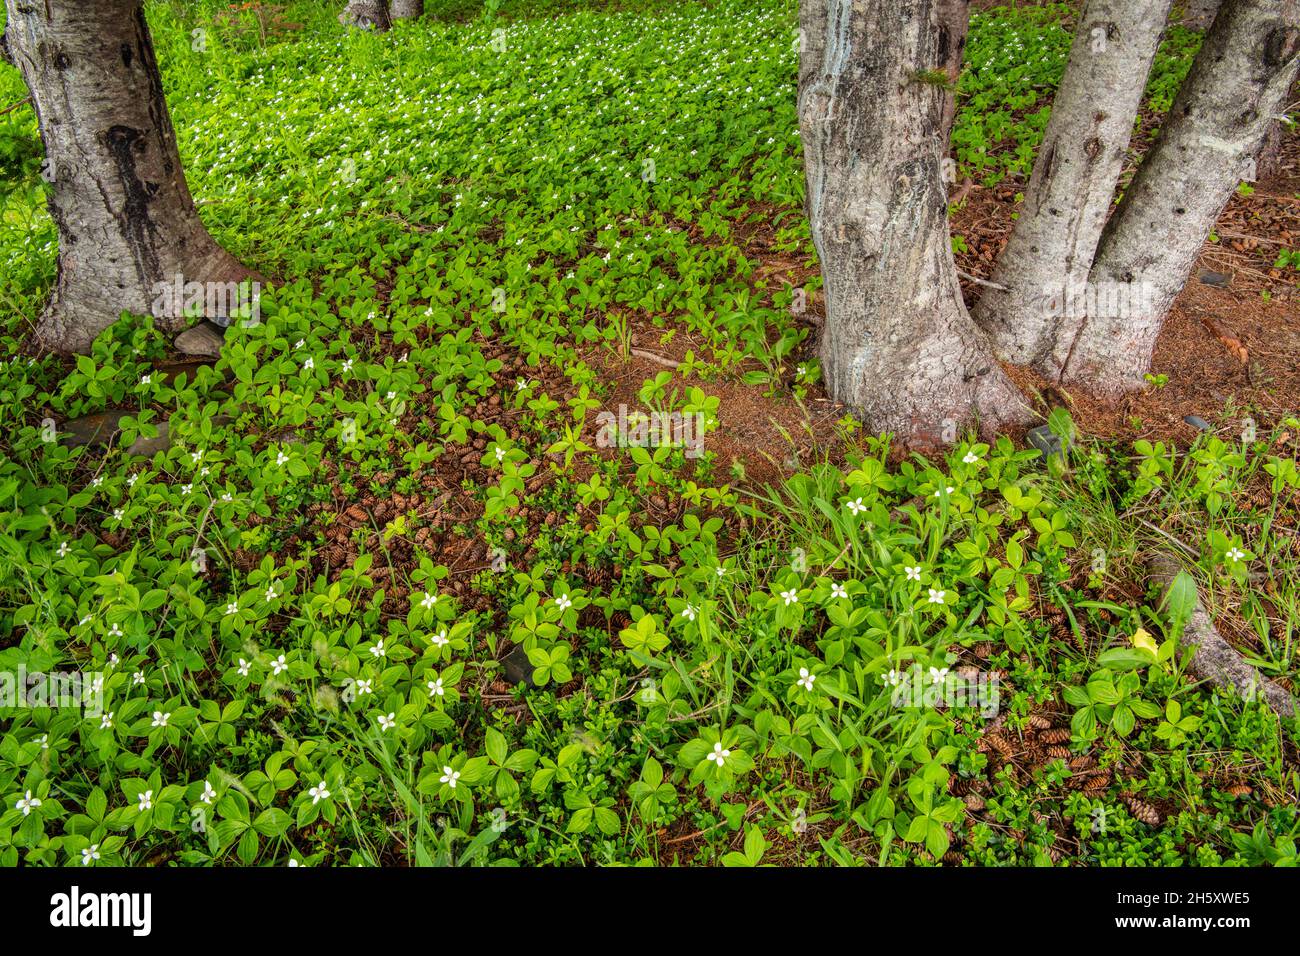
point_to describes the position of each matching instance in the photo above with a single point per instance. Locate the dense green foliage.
(716, 682)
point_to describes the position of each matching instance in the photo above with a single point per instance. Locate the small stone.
(518, 668)
(98, 428)
(203, 339)
(1197, 422)
(1215, 278)
(1045, 440)
(151, 446)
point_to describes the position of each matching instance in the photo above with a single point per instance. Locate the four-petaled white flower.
(137, 677)
(279, 666)
(232, 608)
(521, 384)
(563, 602)
(718, 755)
(689, 612)
(913, 573)
(89, 854)
(970, 458)
(436, 689)
(1235, 554)
(28, 803)
(429, 600)
(319, 793)
(893, 678)
(115, 631)
(364, 686)
(160, 719)
(938, 675)
(722, 572)
(146, 801)
(309, 364)
(806, 678)
(387, 721)
(119, 514)
(501, 453)
(63, 549)
(378, 650)
(208, 793)
(449, 777)
(146, 379)
(936, 596)
(281, 458)
(790, 597)
(243, 667)
(839, 591)
(106, 721)
(440, 639)
(856, 506)
(270, 593)
(347, 365)
(949, 490)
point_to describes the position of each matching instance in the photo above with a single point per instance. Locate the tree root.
(1213, 658)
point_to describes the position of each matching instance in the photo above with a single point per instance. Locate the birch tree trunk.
(1049, 255)
(405, 9)
(127, 223)
(367, 15)
(1237, 85)
(898, 345)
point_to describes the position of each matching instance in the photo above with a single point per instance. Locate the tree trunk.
(127, 223)
(1072, 187)
(367, 14)
(1237, 85)
(1199, 14)
(954, 22)
(898, 345)
(406, 9)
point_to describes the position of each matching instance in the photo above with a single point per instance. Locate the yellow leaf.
(1145, 641)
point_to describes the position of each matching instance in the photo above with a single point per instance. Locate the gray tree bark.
(127, 223)
(897, 345)
(405, 9)
(1237, 86)
(1200, 13)
(367, 14)
(1072, 188)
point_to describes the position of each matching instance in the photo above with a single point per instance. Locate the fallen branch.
(984, 282)
(9, 109)
(655, 357)
(1213, 658)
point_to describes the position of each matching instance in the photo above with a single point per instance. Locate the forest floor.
(383, 540)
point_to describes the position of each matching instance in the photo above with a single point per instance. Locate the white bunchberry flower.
(243, 667)
(563, 602)
(137, 678)
(160, 719)
(937, 596)
(790, 597)
(365, 686)
(1235, 554)
(319, 793)
(856, 506)
(806, 679)
(718, 755)
(28, 803)
(63, 549)
(106, 721)
(119, 514)
(90, 854)
(839, 591)
(440, 639)
(689, 612)
(387, 721)
(347, 365)
(115, 631)
(949, 490)
(309, 364)
(279, 666)
(938, 675)
(281, 458)
(378, 649)
(208, 793)
(893, 678)
(232, 608)
(449, 777)
(970, 458)
(44, 741)
(913, 573)
(429, 600)
(146, 801)
(436, 689)
(270, 593)
(146, 379)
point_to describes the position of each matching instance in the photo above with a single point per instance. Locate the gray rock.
(1215, 278)
(203, 339)
(518, 669)
(1197, 422)
(151, 446)
(1045, 440)
(96, 429)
